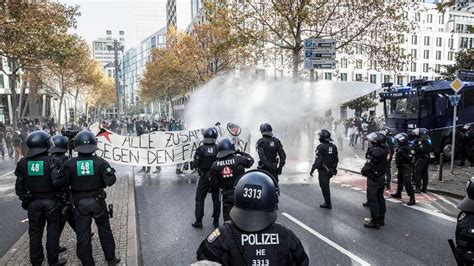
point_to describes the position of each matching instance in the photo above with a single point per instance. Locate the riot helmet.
(467, 204)
(255, 201)
(37, 143)
(266, 129)
(85, 142)
(324, 135)
(402, 139)
(386, 131)
(210, 136)
(224, 148)
(419, 132)
(58, 144)
(376, 138)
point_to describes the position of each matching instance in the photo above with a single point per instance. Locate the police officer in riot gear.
(391, 143)
(86, 176)
(270, 152)
(466, 144)
(38, 194)
(375, 170)
(422, 155)
(204, 157)
(465, 228)
(404, 159)
(58, 149)
(326, 162)
(252, 237)
(226, 170)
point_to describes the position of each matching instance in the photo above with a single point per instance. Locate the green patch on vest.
(85, 168)
(35, 168)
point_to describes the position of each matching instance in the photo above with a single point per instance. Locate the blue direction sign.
(320, 53)
(466, 75)
(454, 99)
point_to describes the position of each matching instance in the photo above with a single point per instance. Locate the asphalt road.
(10, 209)
(412, 236)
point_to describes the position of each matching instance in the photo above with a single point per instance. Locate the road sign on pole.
(457, 85)
(320, 53)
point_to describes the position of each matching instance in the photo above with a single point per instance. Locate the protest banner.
(161, 147)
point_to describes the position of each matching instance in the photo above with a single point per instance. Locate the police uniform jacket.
(465, 233)
(226, 171)
(34, 177)
(405, 156)
(423, 147)
(326, 158)
(204, 157)
(376, 165)
(275, 245)
(87, 176)
(268, 149)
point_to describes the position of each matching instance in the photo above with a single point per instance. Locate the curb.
(132, 246)
(432, 190)
(4, 260)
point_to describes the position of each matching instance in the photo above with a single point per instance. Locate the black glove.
(311, 173)
(25, 203)
(279, 170)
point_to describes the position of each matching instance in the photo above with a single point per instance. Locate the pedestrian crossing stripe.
(85, 168)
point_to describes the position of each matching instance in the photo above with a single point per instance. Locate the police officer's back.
(252, 237)
(465, 228)
(325, 162)
(270, 152)
(87, 176)
(404, 159)
(390, 143)
(226, 170)
(38, 193)
(423, 148)
(466, 143)
(204, 157)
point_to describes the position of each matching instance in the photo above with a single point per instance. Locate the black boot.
(365, 204)
(371, 223)
(412, 201)
(197, 224)
(215, 223)
(417, 191)
(382, 220)
(396, 195)
(114, 261)
(326, 206)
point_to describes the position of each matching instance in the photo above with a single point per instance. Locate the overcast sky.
(97, 16)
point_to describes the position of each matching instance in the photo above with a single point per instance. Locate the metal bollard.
(441, 163)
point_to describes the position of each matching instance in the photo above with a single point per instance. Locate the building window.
(328, 76)
(414, 39)
(2, 81)
(358, 77)
(451, 43)
(425, 67)
(427, 40)
(426, 54)
(438, 55)
(358, 64)
(400, 80)
(373, 78)
(413, 53)
(344, 63)
(429, 18)
(417, 17)
(441, 19)
(343, 76)
(439, 42)
(450, 55)
(464, 42)
(386, 78)
(413, 67)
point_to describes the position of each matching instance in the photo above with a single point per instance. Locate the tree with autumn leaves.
(34, 39)
(189, 60)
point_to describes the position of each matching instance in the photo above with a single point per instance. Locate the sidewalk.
(123, 226)
(352, 159)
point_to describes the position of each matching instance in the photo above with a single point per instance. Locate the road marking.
(327, 240)
(357, 188)
(446, 201)
(393, 200)
(439, 215)
(8, 173)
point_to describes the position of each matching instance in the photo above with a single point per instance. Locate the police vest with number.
(38, 175)
(86, 176)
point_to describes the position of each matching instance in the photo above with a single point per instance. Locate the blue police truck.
(425, 104)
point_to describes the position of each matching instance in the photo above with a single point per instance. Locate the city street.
(412, 235)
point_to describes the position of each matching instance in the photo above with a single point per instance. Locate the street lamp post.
(116, 47)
